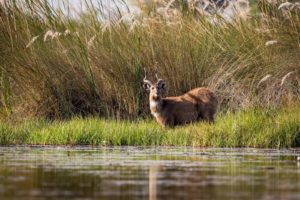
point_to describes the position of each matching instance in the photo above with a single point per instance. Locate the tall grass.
(90, 66)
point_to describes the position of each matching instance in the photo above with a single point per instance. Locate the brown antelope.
(196, 104)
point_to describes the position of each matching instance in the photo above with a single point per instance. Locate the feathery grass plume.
(271, 42)
(296, 6)
(67, 32)
(265, 78)
(285, 77)
(56, 35)
(218, 12)
(48, 34)
(285, 5)
(32, 41)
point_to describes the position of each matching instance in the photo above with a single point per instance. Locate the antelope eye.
(152, 88)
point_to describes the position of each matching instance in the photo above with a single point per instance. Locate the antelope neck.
(155, 104)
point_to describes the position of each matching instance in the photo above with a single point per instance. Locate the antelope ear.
(146, 86)
(161, 84)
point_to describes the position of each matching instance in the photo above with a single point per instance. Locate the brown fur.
(197, 104)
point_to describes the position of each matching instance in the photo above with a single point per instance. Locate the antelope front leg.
(167, 122)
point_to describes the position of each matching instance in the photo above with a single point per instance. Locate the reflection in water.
(153, 171)
(148, 173)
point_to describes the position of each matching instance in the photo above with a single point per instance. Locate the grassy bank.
(275, 128)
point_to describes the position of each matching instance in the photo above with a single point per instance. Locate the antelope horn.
(158, 79)
(145, 79)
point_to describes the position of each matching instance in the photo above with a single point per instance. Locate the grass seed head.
(67, 32)
(264, 79)
(285, 5)
(32, 41)
(285, 77)
(271, 42)
(48, 34)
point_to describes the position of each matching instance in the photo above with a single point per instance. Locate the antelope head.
(157, 89)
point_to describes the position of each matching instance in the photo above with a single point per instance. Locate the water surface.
(148, 173)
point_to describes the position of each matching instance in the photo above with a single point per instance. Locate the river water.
(148, 173)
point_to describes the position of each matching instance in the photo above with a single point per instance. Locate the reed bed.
(54, 66)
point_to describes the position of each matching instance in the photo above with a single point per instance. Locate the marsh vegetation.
(56, 67)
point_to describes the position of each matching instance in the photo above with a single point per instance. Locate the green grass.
(267, 128)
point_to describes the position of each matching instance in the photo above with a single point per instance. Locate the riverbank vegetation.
(58, 67)
(268, 128)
